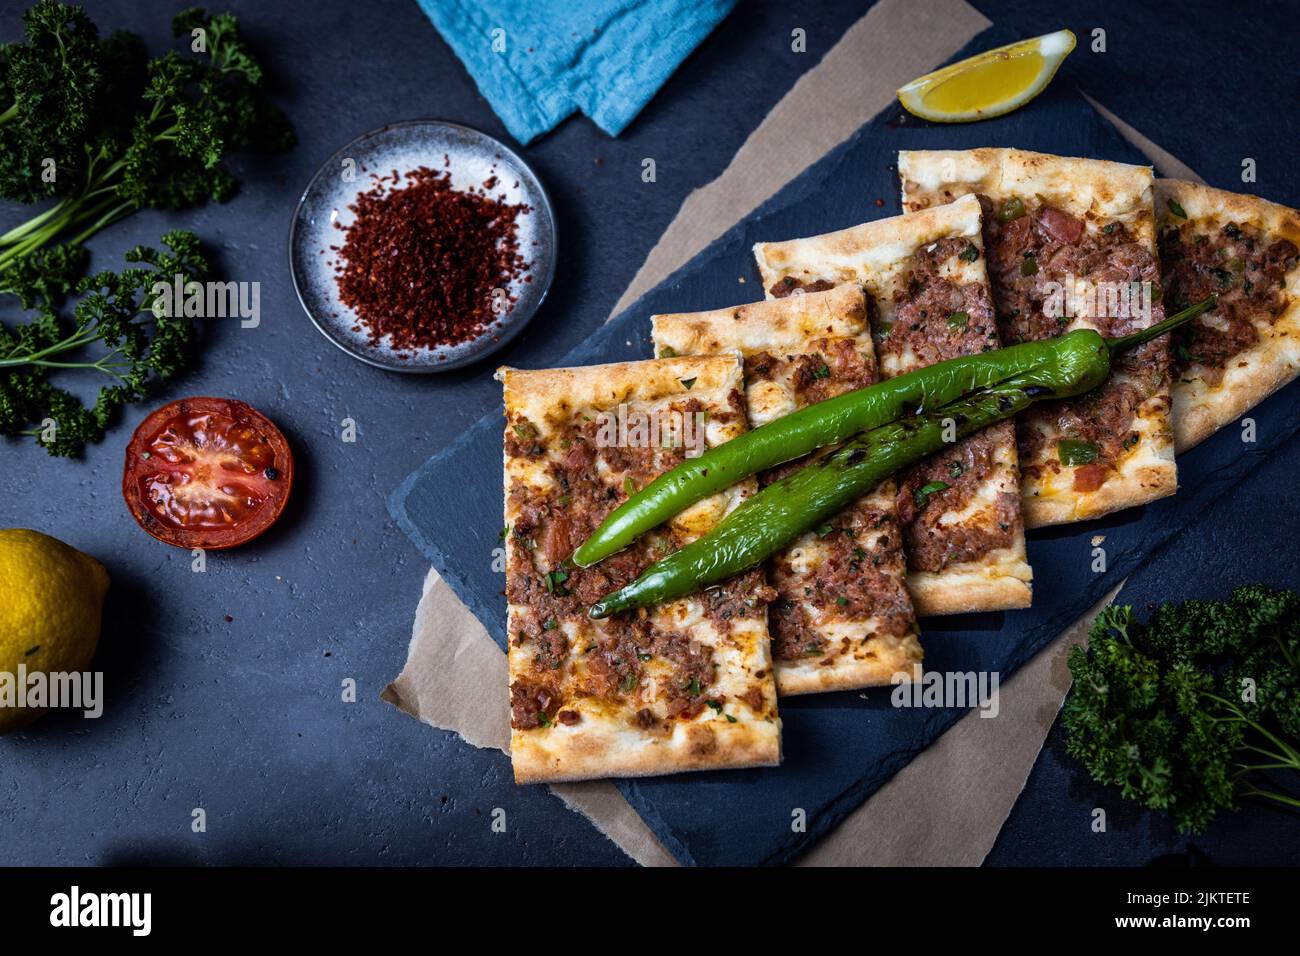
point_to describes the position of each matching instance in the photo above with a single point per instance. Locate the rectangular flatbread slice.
(686, 685)
(929, 300)
(842, 618)
(1243, 250)
(1071, 242)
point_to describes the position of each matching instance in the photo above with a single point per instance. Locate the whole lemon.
(51, 602)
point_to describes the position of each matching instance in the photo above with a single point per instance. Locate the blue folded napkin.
(540, 61)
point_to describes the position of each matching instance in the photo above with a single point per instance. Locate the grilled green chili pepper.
(831, 422)
(816, 426)
(783, 510)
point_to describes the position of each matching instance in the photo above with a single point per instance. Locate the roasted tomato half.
(207, 473)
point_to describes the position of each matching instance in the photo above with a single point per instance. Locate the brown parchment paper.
(946, 806)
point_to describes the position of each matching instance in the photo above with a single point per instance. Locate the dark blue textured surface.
(838, 748)
(243, 717)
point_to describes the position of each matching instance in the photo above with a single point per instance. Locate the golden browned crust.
(873, 664)
(539, 394)
(1200, 409)
(975, 586)
(773, 324)
(564, 753)
(1104, 189)
(870, 252)
(1135, 485)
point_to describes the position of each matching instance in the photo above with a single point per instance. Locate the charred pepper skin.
(816, 426)
(839, 419)
(782, 511)
(1075, 363)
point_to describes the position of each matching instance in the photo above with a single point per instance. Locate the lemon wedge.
(988, 84)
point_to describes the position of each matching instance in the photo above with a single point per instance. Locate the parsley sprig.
(112, 330)
(1194, 710)
(124, 134)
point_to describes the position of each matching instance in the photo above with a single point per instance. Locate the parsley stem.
(1253, 791)
(31, 225)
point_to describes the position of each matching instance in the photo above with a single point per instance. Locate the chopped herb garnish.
(1073, 452)
(955, 469)
(644, 657)
(525, 430)
(629, 485)
(858, 554)
(695, 687)
(553, 581)
(823, 530)
(823, 372)
(969, 254)
(1231, 231)
(1029, 266)
(688, 383)
(922, 494)
(504, 531)
(551, 624)
(668, 352)
(629, 683)
(1109, 227)
(715, 704)
(958, 320)
(1011, 209)
(1177, 210)
(730, 719)
(841, 600)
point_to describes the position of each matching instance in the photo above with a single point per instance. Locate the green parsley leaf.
(922, 494)
(1073, 452)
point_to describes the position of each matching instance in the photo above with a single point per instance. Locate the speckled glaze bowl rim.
(508, 330)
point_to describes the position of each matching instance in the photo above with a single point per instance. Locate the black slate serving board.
(839, 748)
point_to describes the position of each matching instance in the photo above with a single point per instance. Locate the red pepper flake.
(423, 262)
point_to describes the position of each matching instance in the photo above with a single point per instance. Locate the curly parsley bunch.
(123, 133)
(93, 126)
(1195, 709)
(115, 330)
